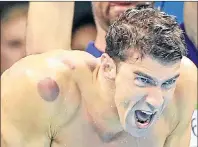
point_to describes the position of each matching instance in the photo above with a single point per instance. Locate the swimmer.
(141, 92)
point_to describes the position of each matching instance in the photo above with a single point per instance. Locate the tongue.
(142, 116)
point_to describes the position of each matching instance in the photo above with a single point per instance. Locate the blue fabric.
(192, 51)
(93, 50)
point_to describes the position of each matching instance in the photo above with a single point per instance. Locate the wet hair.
(150, 32)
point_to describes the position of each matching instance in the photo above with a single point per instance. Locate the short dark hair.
(148, 31)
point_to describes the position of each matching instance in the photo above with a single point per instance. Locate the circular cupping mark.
(48, 89)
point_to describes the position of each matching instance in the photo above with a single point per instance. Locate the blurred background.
(13, 25)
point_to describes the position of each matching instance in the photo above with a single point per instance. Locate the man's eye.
(168, 84)
(15, 43)
(140, 81)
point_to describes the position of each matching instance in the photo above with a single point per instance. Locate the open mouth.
(143, 119)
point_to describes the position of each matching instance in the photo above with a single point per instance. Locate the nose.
(155, 98)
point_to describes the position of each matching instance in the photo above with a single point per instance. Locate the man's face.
(12, 42)
(106, 12)
(143, 89)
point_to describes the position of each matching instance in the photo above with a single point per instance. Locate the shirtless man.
(141, 92)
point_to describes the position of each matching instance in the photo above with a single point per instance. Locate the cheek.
(104, 6)
(98, 8)
(168, 96)
(123, 87)
(10, 56)
(128, 93)
(102, 12)
(14, 55)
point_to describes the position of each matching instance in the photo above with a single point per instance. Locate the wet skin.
(71, 98)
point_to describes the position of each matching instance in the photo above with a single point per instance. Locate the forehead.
(14, 28)
(151, 67)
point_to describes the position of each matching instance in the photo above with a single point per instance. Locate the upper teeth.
(147, 112)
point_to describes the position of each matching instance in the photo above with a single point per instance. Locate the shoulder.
(185, 97)
(42, 85)
(51, 60)
(186, 63)
(186, 90)
(34, 63)
(188, 74)
(59, 64)
(35, 67)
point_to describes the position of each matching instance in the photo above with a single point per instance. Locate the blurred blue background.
(173, 8)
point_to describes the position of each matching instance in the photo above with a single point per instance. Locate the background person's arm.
(190, 21)
(49, 26)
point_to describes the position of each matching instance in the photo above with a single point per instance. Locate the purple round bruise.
(48, 89)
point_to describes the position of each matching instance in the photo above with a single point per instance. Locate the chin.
(137, 133)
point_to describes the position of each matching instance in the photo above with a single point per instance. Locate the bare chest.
(81, 133)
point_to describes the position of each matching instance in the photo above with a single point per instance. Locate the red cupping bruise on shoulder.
(48, 89)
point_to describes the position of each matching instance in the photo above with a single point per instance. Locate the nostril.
(151, 107)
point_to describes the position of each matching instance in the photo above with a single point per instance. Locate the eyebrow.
(139, 73)
(175, 77)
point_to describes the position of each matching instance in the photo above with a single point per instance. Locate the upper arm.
(49, 26)
(186, 104)
(188, 92)
(30, 110)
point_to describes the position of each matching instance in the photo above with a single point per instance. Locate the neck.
(100, 42)
(100, 106)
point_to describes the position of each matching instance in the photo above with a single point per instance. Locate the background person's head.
(13, 28)
(105, 13)
(143, 56)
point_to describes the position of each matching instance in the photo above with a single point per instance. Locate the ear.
(108, 67)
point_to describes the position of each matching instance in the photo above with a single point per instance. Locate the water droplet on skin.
(124, 141)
